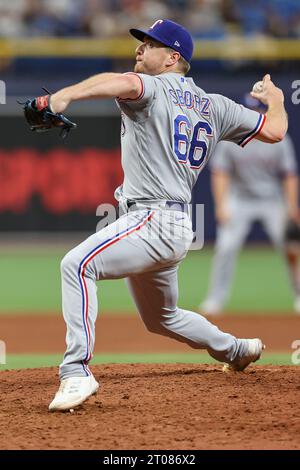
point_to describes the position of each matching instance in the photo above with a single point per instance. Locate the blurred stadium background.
(49, 189)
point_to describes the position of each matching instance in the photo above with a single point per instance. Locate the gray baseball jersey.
(169, 133)
(256, 172)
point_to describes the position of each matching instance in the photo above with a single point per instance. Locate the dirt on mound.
(161, 406)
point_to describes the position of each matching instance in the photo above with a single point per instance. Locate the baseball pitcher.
(258, 183)
(169, 130)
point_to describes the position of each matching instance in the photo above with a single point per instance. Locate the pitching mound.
(156, 406)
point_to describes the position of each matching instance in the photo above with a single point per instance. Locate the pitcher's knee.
(159, 320)
(154, 326)
(69, 264)
(168, 317)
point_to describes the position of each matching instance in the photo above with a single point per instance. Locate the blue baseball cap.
(253, 103)
(170, 34)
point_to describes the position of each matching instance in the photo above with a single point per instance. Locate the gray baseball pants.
(232, 235)
(145, 246)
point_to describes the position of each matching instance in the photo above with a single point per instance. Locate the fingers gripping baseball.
(265, 89)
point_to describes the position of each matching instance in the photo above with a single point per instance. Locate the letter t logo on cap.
(156, 22)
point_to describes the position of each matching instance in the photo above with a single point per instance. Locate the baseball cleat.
(255, 348)
(72, 392)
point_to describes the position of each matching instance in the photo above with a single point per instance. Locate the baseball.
(258, 87)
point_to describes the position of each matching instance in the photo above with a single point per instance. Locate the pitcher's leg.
(156, 295)
(80, 306)
(111, 253)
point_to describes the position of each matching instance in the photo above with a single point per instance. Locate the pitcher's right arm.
(276, 123)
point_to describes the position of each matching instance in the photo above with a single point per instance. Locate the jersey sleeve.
(139, 109)
(236, 123)
(220, 159)
(288, 159)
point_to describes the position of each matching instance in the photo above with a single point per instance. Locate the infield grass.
(32, 361)
(30, 283)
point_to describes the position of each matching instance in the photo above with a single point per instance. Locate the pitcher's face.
(151, 57)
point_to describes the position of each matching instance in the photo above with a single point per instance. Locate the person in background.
(258, 183)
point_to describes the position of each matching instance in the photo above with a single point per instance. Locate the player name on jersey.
(190, 101)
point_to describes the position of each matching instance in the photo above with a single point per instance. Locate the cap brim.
(140, 35)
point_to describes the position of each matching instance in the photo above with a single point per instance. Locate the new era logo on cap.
(170, 34)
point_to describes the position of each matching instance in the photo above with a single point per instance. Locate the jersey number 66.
(188, 148)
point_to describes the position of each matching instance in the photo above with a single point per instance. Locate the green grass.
(260, 282)
(30, 282)
(32, 361)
